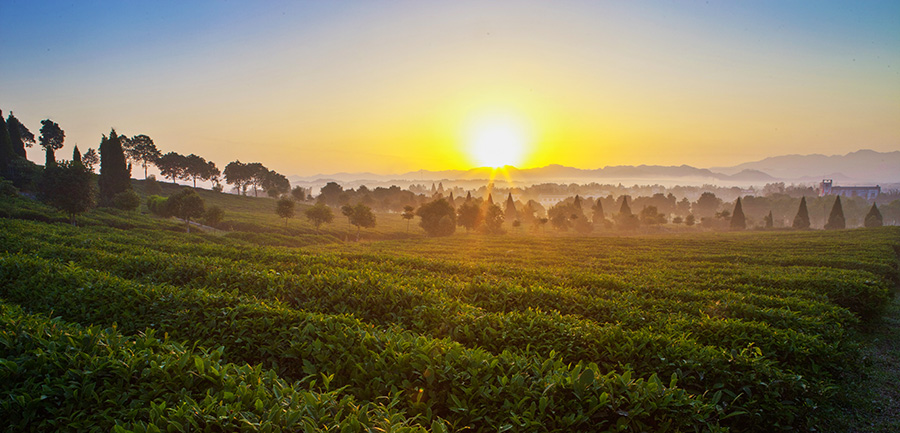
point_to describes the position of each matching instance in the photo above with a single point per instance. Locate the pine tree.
(510, 213)
(873, 218)
(625, 210)
(836, 217)
(76, 156)
(114, 176)
(801, 220)
(738, 221)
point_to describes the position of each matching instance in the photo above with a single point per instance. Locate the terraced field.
(148, 328)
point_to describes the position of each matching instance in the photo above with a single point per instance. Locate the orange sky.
(307, 87)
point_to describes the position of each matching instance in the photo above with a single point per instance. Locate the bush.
(127, 200)
(157, 206)
(7, 189)
(151, 186)
(213, 216)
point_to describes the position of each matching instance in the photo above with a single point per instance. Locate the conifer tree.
(770, 221)
(6, 148)
(20, 135)
(510, 213)
(836, 217)
(625, 210)
(873, 218)
(76, 156)
(801, 220)
(738, 221)
(597, 216)
(114, 176)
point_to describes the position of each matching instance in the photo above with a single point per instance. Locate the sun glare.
(497, 142)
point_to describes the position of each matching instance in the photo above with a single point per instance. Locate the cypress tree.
(114, 176)
(6, 148)
(770, 221)
(625, 209)
(873, 218)
(76, 156)
(836, 218)
(801, 220)
(738, 221)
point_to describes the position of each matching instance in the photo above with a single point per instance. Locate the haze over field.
(326, 87)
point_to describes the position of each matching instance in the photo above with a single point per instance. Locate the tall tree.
(738, 221)
(52, 138)
(275, 184)
(172, 165)
(801, 220)
(258, 173)
(510, 213)
(469, 215)
(597, 217)
(770, 220)
(238, 174)
(20, 136)
(142, 150)
(408, 214)
(873, 218)
(836, 217)
(6, 147)
(196, 167)
(114, 175)
(76, 156)
(67, 186)
(362, 216)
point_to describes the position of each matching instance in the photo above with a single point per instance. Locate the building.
(867, 192)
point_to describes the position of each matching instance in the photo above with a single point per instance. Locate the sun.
(496, 142)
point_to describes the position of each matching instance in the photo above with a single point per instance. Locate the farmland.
(127, 323)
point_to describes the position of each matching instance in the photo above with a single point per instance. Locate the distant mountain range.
(863, 166)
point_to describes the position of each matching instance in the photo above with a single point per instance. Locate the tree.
(141, 149)
(707, 205)
(319, 214)
(469, 215)
(68, 187)
(114, 175)
(275, 184)
(76, 156)
(510, 213)
(238, 174)
(408, 214)
(625, 219)
(650, 215)
(196, 167)
(126, 200)
(361, 216)
(299, 193)
(172, 165)
(90, 159)
(52, 138)
(19, 135)
(213, 216)
(801, 220)
(186, 205)
(330, 193)
(493, 219)
(7, 154)
(738, 221)
(258, 173)
(285, 209)
(597, 216)
(769, 220)
(437, 218)
(873, 218)
(836, 217)
(689, 220)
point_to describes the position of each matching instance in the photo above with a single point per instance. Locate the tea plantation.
(115, 326)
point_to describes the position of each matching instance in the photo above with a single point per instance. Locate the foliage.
(437, 218)
(141, 148)
(284, 208)
(68, 187)
(873, 218)
(359, 216)
(158, 206)
(19, 135)
(319, 214)
(127, 200)
(239, 174)
(836, 217)
(52, 138)
(114, 174)
(90, 159)
(7, 152)
(738, 220)
(7, 189)
(801, 220)
(185, 205)
(469, 215)
(172, 165)
(213, 215)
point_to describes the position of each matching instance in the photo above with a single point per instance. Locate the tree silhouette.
(19, 135)
(437, 218)
(90, 159)
(319, 214)
(770, 220)
(299, 193)
(141, 149)
(597, 216)
(493, 219)
(76, 156)
(408, 214)
(510, 212)
(625, 219)
(469, 215)
(114, 175)
(738, 221)
(873, 218)
(238, 174)
(275, 184)
(706, 205)
(836, 217)
(330, 193)
(801, 220)
(172, 165)
(361, 216)
(7, 154)
(52, 138)
(68, 187)
(285, 209)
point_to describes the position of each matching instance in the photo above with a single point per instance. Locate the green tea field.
(138, 326)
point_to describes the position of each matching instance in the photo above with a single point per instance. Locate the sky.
(309, 87)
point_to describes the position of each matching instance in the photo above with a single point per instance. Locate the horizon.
(310, 88)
